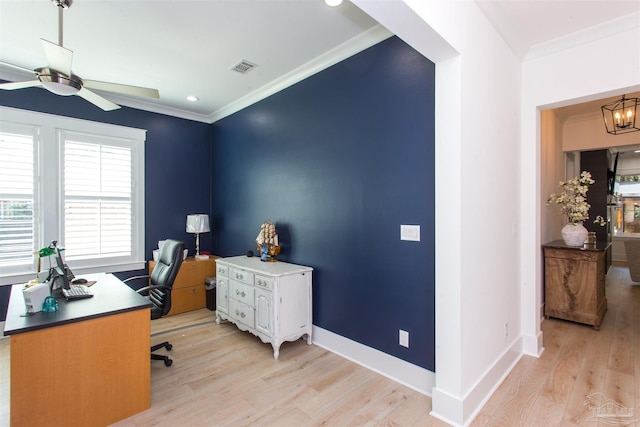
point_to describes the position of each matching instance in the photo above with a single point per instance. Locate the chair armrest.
(148, 288)
(146, 276)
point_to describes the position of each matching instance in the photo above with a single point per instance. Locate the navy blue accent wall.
(339, 161)
(177, 166)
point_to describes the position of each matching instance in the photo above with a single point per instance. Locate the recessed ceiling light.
(333, 3)
(192, 98)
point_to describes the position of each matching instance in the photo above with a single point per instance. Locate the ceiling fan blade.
(58, 57)
(123, 89)
(97, 100)
(18, 67)
(19, 85)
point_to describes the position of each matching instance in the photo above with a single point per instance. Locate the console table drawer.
(241, 292)
(264, 282)
(241, 276)
(241, 312)
(222, 270)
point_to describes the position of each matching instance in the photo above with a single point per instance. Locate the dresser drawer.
(222, 270)
(241, 292)
(187, 299)
(241, 275)
(265, 282)
(241, 312)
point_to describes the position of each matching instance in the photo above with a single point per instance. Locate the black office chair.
(159, 292)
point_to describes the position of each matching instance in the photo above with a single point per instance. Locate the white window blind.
(75, 181)
(97, 198)
(17, 197)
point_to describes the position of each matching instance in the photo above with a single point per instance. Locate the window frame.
(50, 187)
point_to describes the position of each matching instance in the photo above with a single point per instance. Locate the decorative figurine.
(267, 242)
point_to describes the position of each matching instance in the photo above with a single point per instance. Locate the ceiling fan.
(57, 77)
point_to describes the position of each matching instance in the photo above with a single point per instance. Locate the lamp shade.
(198, 223)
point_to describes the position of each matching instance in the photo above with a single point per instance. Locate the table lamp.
(198, 223)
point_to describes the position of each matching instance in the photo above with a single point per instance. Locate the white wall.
(477, 213)
(552, 167)
(587, 132)
(569, 76)
(488, 151)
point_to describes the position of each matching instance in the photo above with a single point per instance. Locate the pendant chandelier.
(620, 116)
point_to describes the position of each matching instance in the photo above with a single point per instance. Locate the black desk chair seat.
(159, 291)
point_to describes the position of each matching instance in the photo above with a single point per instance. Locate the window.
(17, 195)
(78, 182)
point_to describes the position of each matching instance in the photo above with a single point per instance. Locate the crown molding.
(151, 107)
(598, 32)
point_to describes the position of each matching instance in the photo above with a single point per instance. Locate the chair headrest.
(171, 250)
(169, 261)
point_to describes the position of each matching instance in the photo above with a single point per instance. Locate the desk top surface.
(111, 296)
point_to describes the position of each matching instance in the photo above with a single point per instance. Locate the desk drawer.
(187, 299)
(193, 273)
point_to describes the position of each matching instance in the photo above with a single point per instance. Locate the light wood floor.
(224, 377)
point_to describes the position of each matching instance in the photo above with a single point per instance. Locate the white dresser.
(272, 300)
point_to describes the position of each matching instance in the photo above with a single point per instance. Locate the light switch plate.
(403, 338)
(410, 232)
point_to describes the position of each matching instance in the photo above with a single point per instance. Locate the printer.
(34, 295)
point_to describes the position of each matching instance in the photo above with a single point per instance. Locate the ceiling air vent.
(244, 66)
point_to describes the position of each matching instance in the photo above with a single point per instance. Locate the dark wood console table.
(574, 282)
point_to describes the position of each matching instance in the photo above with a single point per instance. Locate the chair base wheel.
(169, 347)
(167, 362)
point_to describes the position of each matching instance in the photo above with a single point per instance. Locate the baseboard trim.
(417, 378)
(461, 411)
(532, 345)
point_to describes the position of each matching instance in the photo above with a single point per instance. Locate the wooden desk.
(86, 364)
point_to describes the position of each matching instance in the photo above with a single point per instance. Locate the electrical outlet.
(506, 329)
(404, 338)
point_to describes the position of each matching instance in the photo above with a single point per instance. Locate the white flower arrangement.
(573, 199)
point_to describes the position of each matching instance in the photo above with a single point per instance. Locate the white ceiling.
(188, 47)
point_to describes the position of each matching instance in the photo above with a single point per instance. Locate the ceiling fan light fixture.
(621, 116)
(58, 83)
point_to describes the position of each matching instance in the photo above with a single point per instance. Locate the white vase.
(574, 234)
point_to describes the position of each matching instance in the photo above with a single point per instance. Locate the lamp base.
(201, 257)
